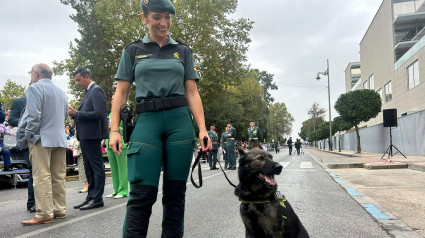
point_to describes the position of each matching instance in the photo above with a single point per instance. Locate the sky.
(291, 40)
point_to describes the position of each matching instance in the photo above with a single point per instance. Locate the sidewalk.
(348, 159)
(394, 191)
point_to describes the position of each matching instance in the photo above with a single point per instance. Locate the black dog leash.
(225, 175)
(200, 154)
(204, 155)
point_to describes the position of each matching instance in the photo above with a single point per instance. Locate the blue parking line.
(332, 174)
(340, 181)
(375, 212)
(352, 192)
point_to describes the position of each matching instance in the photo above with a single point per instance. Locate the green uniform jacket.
(231, 134)
(254, 133)
(223, 139)
(214, 139)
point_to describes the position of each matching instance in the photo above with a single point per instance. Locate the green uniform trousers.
(212, 159)
(231, 157)
(225, 158)
(118, 165)
(160, 139)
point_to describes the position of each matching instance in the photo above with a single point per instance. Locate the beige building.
(392, 58)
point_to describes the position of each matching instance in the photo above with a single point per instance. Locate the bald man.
(41, 130)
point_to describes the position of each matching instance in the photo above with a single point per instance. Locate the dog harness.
(281, 200)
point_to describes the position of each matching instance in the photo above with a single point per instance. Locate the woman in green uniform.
(118, 165)
(167, 97)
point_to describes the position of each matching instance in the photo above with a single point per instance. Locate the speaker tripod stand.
(389, 151)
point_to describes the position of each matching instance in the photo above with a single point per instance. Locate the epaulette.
(137, 41)
(181, 43)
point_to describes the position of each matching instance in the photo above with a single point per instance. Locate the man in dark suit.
(18, 106)
(92, 126)
(2, 115)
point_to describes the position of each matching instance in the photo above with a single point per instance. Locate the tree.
(249, 94)
(316, 112)
(338, 125)
(308, 127)
(358, 106)
(10, 92)
(323, 132)
(266, 80)
(280, 120)
(219, 43)
(106, 27)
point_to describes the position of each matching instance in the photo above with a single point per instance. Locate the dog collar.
(281, 201)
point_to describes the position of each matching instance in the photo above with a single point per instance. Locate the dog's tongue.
(269, 179)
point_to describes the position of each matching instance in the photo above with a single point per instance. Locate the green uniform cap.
(159, 5)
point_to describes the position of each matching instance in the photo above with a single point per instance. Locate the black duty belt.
(159, 104)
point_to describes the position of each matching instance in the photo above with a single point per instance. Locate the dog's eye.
(261, 158)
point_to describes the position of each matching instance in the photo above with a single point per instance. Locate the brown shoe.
(36, 221)
(59, 216)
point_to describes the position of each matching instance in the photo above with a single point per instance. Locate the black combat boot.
(173, 206)
(139, 210)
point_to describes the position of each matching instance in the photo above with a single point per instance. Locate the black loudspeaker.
(390, 117)
(265, 135)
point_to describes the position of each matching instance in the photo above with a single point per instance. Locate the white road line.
(55, 226)
(71, 221)
(306, 165)
(284, 164)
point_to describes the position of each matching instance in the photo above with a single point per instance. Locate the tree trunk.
(359, 149)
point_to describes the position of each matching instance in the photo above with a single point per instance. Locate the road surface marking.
(340, 181)
(375, 212)
(306, 165)
(55, 226)
(352, 192)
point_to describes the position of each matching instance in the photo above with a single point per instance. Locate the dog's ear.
(255, 144)
(242, 152)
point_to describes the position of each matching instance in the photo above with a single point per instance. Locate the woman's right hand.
(115, 142)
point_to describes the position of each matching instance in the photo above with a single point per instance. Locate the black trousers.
(69, 157)
(95, 170)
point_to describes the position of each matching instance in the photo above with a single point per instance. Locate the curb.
(384, 165)
(389, 223)
(419, 167)
(344, 166)
(338, 153)
(375, 165)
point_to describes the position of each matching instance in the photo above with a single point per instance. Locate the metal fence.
(408, 137)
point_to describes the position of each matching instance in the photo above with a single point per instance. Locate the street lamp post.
(329, 99)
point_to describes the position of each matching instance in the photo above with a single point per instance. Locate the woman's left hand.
(208, 146)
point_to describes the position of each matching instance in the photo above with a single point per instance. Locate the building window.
(388, 92)
(413, 74)
(371, 82)
(365, 85)
(380, 92)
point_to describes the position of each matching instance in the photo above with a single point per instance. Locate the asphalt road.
(324, 207)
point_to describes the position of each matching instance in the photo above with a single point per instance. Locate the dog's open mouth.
(268, 179)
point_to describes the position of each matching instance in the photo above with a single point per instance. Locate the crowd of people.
(163, 138)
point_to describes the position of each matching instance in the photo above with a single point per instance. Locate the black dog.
(265, 212)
